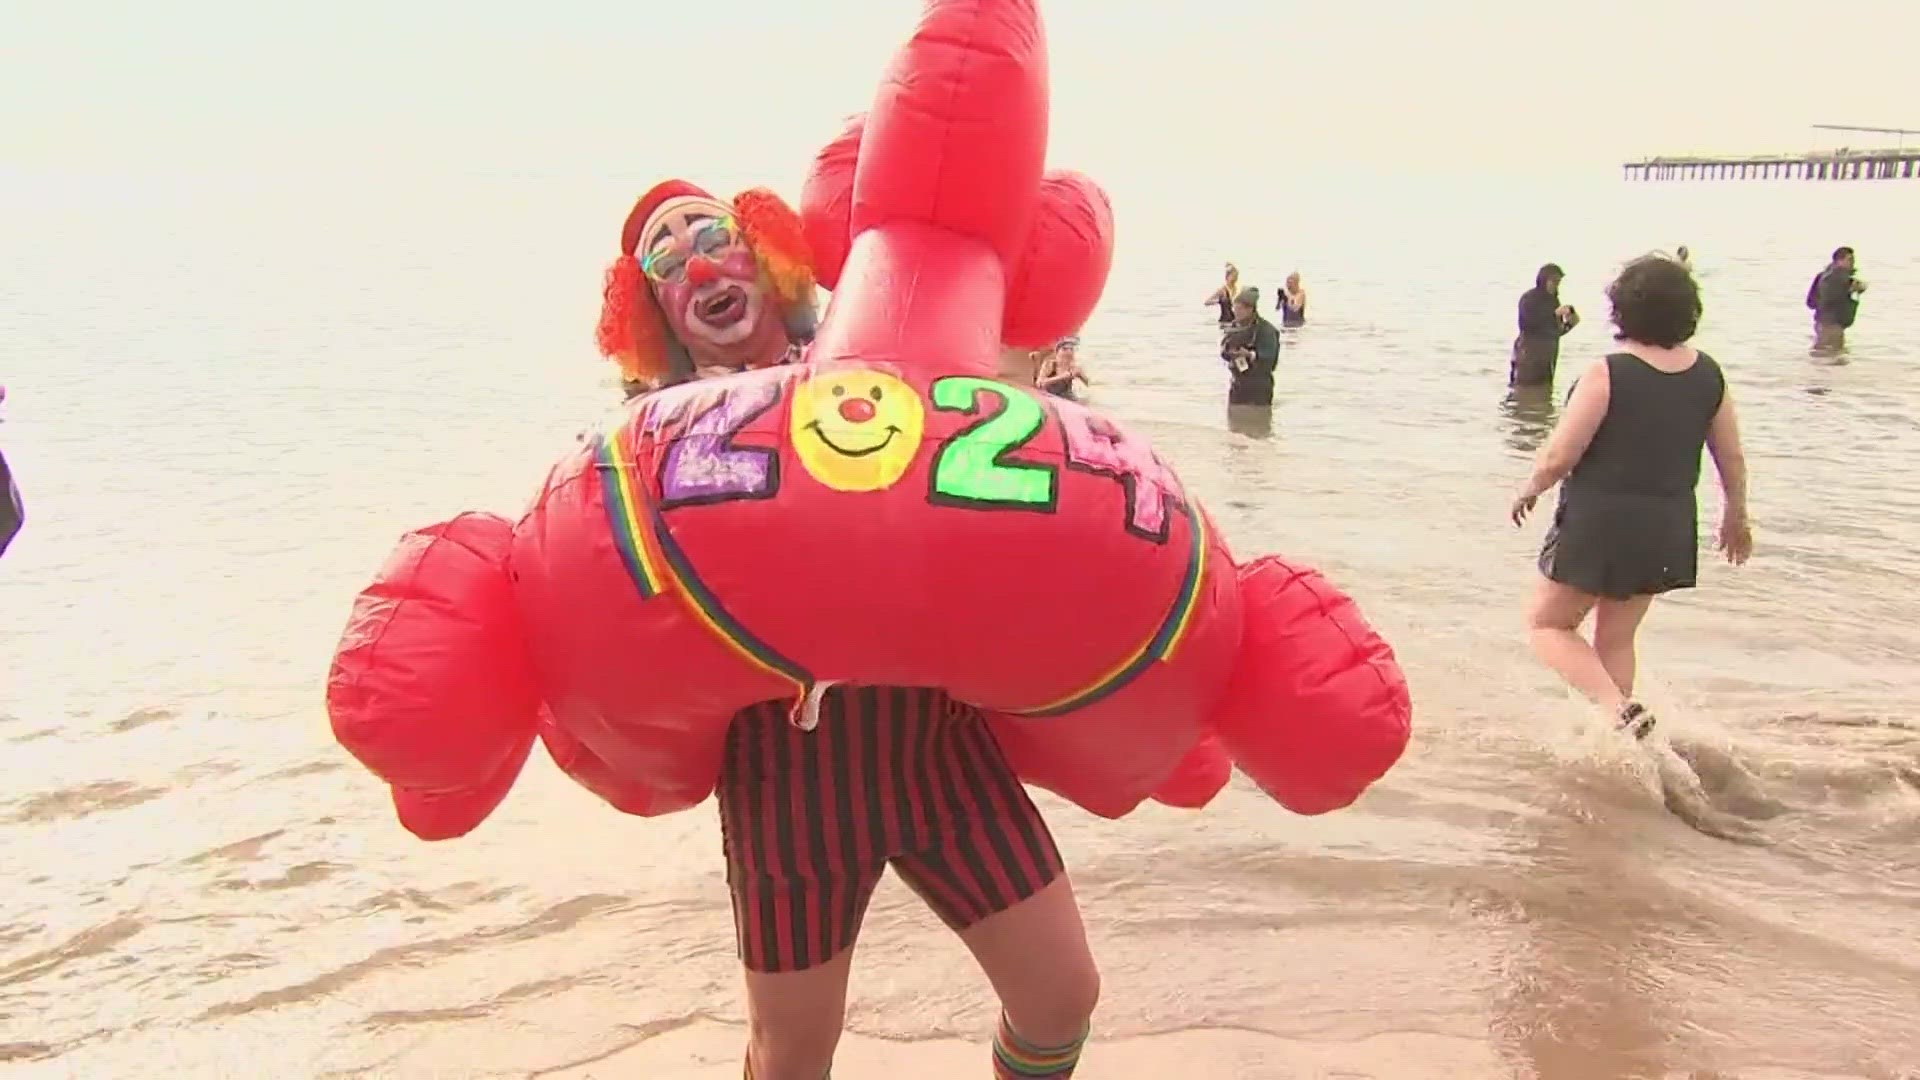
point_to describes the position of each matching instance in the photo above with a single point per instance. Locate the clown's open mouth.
(723, 308)
(838, 449)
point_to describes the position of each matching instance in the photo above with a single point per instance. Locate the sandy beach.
(710, 1051)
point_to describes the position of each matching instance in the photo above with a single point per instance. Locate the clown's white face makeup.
(708, 286)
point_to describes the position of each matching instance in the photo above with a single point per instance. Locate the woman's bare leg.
(1036, 956)
(794, 1020)
(1554, 630)
(1615, 622)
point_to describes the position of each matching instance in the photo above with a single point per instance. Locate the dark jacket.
(1536, 352)
(1259, 335)
(1540, 315)
(1254, 386)
(1834, 301)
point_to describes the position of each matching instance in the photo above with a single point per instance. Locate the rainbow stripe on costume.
(1159, 647)
(656, 563)
(625, 513)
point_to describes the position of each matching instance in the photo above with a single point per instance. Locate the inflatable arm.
(430, 687)
(1317, 708)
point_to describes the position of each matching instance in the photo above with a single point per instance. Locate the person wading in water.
(1061, 368)
(1544, 320)
(1223, 296)
(1628, 448)
(1251, 348)
(1834, 297)
(1293, 302)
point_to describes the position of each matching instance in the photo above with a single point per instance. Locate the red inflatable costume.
(870, 516)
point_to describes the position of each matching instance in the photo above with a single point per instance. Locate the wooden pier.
(1897, 163)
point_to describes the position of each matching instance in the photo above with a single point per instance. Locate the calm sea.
(229, 396)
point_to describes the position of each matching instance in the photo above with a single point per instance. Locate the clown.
(706, 287)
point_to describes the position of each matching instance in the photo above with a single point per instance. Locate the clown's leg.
(1035, 954)
(995, 876)
(796, 912)
(749, 1074)
(794, 1020)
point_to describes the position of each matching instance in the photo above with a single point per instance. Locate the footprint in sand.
(306, 873)
(140, 718)
(79, 802)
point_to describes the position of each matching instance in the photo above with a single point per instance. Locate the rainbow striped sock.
(749, 1073)
(1015, 1058)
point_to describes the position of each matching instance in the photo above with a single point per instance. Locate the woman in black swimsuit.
(1061, 369)
(1293, 301)
(1222, 297)
(1628, 450)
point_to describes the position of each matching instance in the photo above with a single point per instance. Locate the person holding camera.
(1251, 349)
(1544, 320)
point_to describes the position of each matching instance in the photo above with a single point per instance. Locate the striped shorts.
(891, 776)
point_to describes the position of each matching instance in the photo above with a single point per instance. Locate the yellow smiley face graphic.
(856, 430)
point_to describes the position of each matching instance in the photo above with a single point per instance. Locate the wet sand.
(706, 1051)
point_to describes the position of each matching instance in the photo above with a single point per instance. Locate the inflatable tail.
(937, 186)
(1317, 708)
(1051, 288)
(957, 136)
(431, 688)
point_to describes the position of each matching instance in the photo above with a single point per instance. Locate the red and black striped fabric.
(892, 775)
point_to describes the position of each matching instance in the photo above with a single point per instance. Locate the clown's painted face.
(708, 283)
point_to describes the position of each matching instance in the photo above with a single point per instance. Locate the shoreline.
(706, 1049)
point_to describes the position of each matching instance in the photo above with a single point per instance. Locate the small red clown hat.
(634, 334)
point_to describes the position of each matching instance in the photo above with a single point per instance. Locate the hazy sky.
(584, 86)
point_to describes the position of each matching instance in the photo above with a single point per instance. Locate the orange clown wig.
(634, 334)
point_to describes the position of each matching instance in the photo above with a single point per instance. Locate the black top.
(1226, 306)
(12, 516)
(1290, 315)
(1540, 314)
(1834, 301)
(1656, 424)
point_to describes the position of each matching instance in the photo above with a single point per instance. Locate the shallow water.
(219, 437)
